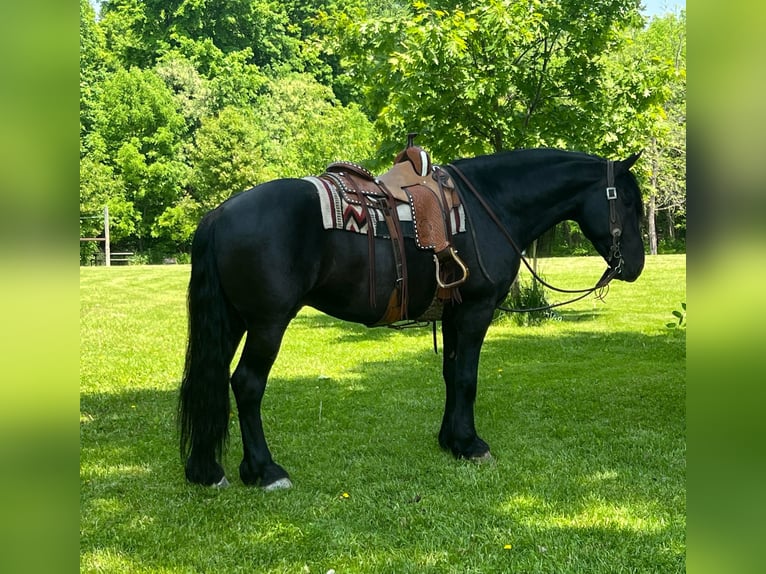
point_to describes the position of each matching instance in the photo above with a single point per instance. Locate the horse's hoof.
(281, 484)
(223, 483)
(486, 457)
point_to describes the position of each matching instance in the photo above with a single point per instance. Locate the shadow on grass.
(588, 476)
(576, 315)
(351, 332)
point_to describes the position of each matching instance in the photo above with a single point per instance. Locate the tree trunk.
(567, 234)
(671, 225)
(651, 212)
(651, 217)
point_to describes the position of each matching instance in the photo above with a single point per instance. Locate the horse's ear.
(628, 163)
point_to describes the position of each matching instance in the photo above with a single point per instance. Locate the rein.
(615, 228)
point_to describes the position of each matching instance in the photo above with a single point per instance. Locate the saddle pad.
(337, 213)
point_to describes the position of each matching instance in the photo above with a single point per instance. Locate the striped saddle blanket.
(340, 210)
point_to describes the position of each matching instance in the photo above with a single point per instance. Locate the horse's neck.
(531, 212)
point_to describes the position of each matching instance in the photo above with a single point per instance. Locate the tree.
(308, 127)
(664, 43)
(493, 75)
(95, 63)
(142, 30)
(193, 94)
(183, 103)
(227, 156)
(137, 136)
(479, 77)
(178, 113)
(293, 130)
(100, 187)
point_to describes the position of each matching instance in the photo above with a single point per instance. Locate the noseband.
(615, 255)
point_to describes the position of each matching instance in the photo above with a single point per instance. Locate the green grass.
(585, 417)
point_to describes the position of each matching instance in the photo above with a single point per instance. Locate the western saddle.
(430, 193)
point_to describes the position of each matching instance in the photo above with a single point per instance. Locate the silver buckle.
(611, 193)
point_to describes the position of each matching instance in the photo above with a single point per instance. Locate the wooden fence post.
(107, 248)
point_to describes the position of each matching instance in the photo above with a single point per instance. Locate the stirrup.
(453, 253)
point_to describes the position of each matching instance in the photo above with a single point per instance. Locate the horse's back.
(269, 199)
(283, 208)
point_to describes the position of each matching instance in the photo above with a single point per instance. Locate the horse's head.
(611, 216)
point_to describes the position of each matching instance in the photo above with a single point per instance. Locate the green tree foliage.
(100, 187)
(307, 127)
(136, 105)
(234, 81)
(484, 76)
(193, 94)
(137, 136)
(144, 29)
(663, 44)
(185, 102)
(294, 129)
(475, 77)
(226, 157)
(95, 63)
(646, 81)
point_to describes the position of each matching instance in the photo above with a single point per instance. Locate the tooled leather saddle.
(430, 193)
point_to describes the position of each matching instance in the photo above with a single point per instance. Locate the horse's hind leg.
(249, 385)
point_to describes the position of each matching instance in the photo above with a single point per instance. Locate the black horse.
(263, 254)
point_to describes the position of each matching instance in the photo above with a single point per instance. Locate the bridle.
(614, 264)
(615, 224)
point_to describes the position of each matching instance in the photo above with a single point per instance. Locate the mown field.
(585, 416)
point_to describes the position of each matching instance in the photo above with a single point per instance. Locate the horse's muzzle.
(630, 273)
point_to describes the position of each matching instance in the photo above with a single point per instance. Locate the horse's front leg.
(462, 339)
(449, 343)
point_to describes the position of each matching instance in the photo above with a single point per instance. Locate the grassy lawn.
(585, 416)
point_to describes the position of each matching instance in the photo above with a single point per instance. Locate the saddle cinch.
(430, 193)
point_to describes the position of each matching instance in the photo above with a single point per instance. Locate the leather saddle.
(413, 180)
(430, 193)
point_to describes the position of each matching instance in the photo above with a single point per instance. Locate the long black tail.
(203, 407)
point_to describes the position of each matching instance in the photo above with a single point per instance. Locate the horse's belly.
(344, 288)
